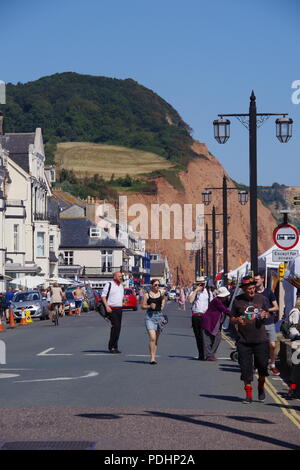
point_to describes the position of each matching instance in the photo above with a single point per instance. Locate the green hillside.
(81, 108)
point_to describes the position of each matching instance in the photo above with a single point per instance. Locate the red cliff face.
(201, 173)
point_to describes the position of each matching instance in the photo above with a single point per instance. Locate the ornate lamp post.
(226, 218)
(251, 121)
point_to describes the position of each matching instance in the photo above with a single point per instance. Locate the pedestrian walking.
(112, 299)
(249, 313)
(8, 298)
(181, 300)
(199, 300)
(273, 310)
(211, 322)
(154, 302)
(78, 295)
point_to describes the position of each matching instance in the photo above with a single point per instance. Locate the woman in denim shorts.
(153, 302)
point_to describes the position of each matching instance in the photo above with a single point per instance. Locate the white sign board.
(284, 255)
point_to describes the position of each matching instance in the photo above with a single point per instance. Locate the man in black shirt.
(249, 313)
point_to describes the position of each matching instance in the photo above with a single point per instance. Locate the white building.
(30, 239)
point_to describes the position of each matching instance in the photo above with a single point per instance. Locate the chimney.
(1, 123)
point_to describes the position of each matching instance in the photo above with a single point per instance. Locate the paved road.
(60, 383)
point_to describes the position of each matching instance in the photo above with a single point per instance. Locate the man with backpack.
(199, 300)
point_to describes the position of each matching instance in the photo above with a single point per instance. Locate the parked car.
(172, 294)
(32, 301)
(130, 299)
(69, 303)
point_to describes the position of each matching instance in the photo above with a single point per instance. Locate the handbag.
(102, 310)
(163, 321)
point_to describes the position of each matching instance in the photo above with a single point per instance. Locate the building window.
(95, 232)
(106, 261)
(40, 245)
(69, 258)
(16, 238)
(51, 243)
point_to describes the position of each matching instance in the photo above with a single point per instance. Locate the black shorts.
(246, 353)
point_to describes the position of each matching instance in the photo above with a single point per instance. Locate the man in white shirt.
(112, 299)
(199, 300)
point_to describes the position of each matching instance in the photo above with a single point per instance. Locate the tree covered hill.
(71, 107)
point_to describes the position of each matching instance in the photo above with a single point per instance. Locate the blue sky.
(204, 58)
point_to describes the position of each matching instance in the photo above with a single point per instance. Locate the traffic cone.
(12, 322)
(1, 327)
(23, 319)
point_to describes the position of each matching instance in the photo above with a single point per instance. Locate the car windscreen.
(24, 296)
(128, 291)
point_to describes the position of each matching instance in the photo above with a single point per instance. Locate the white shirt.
(116, 294)
(200, 304)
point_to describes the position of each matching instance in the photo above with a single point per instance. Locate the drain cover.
(48, 445)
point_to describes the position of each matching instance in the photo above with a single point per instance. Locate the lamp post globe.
(243, 197)
(284, 128)
(206, 197)
(221, 130)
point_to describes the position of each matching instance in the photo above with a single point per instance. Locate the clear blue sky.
(203, 57)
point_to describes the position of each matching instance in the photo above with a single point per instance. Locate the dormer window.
(95, 232)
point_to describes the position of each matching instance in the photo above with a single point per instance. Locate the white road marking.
(46, 353)
(8, 376)
(90, 374)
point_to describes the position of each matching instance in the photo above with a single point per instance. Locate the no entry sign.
(286, 236)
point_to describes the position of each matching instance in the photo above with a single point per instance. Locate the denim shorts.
(152, 320)
(271, 332)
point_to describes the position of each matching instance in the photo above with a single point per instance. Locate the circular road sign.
(286, 236)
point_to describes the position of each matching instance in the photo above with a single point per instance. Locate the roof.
(75, 234)
(18, 147)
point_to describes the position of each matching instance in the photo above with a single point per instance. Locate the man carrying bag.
(112, 301)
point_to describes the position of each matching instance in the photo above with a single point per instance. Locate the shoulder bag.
(102, 310)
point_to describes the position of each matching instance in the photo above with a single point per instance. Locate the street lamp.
(284, 128)
(206, 197)
(243, 197)
(251, 121)
(222, 130)
(226, 220)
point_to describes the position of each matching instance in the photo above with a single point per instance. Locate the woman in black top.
(153, 302)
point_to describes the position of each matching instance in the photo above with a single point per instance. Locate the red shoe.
(275, 371)
(212, 358)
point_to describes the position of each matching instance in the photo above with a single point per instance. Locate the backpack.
(286, 325)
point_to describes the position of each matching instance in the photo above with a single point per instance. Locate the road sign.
(282, 256)
(286, 236)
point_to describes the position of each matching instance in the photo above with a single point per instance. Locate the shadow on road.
(222, 397)
(224, 428)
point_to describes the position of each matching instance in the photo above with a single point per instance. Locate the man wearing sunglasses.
(199, 300)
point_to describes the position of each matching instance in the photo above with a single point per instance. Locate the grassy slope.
(87, 159)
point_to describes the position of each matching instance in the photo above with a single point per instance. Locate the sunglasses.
(155, 285)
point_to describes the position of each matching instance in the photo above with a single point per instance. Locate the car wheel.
(134, 309)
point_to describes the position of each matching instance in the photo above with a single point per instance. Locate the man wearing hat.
(249, 313)
(199, 300)
(212, 321)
